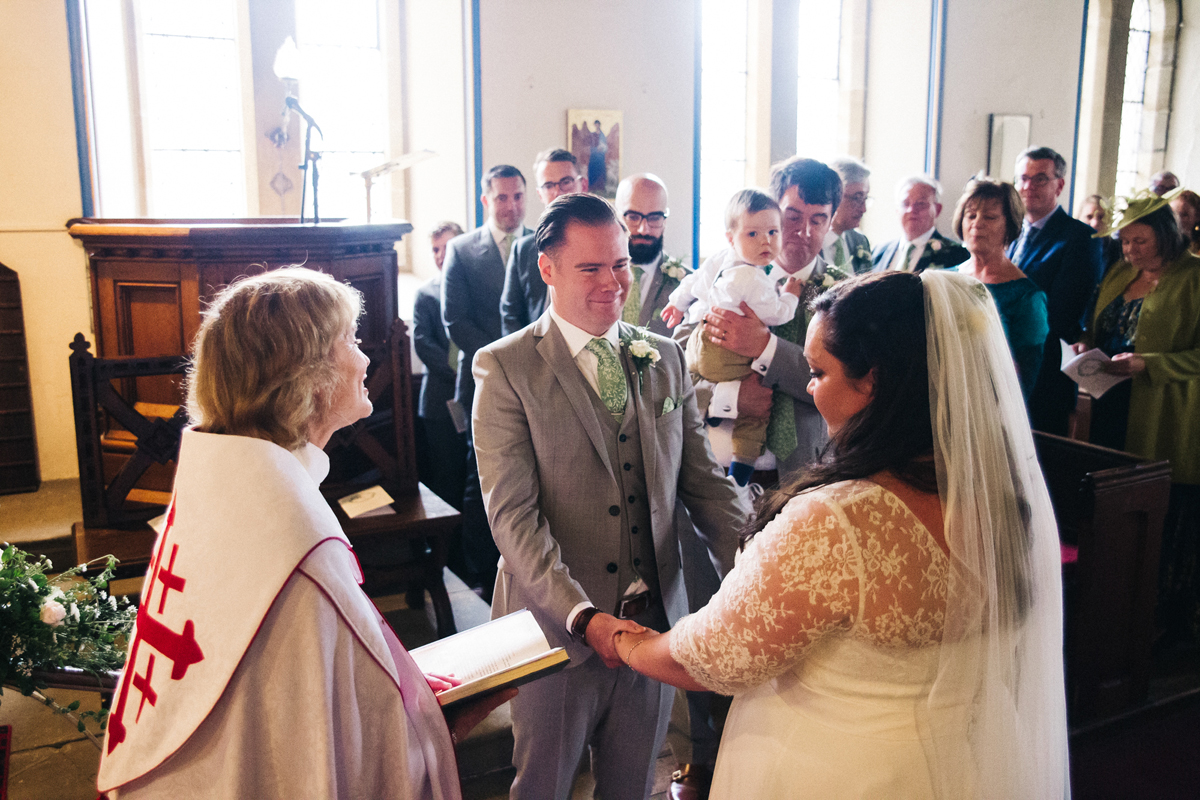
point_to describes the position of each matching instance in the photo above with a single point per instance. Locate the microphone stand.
(310, 160)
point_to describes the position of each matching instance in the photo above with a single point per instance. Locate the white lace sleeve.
(797, 580)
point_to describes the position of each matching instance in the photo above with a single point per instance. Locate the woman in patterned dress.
(893, 625)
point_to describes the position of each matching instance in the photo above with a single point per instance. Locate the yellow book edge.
(518, 674)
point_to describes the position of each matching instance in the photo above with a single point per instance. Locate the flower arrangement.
(642, 351)
(52, 621)
(832, 275)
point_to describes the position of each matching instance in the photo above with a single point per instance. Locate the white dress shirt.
(577, 340)
(918, 250)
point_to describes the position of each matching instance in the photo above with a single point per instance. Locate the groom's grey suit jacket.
(551, 489)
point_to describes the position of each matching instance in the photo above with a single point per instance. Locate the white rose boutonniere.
(673, 268)
(862, 254)
(642, 351)
(935, 245)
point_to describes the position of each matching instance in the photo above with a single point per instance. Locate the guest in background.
(524, 299)
(987, 218)
(1059, 254)
(472, 283)
(1146, 316)
(1163, 182)
(1094, 212)
(641, 202)
(919, 201)
(442, 462)
(276, 676)
(846, 247)
(1186, 206)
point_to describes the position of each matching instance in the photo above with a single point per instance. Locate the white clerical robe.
(322, 701)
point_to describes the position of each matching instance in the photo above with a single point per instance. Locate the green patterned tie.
(609, 376)
(908, 254)
(506, 247)
(781, 428)
(633, 303)
(839, 253)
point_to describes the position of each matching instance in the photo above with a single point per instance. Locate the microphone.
(294, 104)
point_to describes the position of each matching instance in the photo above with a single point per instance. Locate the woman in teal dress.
(987, 218)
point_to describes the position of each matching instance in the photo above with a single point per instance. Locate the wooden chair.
(1110, 506)
(126, 452)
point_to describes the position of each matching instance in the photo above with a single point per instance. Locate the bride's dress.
(827, 632)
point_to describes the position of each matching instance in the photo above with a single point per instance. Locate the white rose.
(53, 613)
(654, 356)
(935, 245)
(828, 281)
(640, 348)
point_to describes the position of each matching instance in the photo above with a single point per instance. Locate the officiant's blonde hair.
(263, 363)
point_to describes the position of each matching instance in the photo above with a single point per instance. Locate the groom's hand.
(601, 636)
(744, 334)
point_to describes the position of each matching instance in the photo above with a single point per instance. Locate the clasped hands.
(613, 638)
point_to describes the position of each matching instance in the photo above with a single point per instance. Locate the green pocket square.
(669, 405)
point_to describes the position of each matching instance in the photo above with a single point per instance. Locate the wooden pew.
(1110, 505)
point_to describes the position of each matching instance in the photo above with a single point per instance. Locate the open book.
(505, 652)
(1088, 370)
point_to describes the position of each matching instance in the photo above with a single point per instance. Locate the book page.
(485, 650)
(1088, 370)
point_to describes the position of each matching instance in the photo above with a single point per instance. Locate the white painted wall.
(1183, 138)
(1011, 57)
(39, 192)
(896, 94)
(540, 58)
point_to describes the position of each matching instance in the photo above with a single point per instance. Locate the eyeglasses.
(1036, 181)
(654, 220)
(859, 198)
(568, 184)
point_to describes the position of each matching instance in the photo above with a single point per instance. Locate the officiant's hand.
(744, 333)
(463, 718)
(601, 635)
(1126, 364)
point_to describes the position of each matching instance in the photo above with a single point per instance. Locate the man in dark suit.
(442, 461)
(919, 201)
(1060, 255)
(471, 286)
(524, 299)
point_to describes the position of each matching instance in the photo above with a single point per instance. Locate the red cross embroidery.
(142, 684)
(169, 579)
(180, 647)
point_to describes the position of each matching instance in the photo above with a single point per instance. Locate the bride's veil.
(1000, 670)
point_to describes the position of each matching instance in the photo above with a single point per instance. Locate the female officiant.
(258, 666)
(893, 625)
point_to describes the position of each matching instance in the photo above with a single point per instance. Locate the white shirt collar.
(923, 238)
(830, 238)
(802, 274)
(577, 338)
(498, 235)
(1041, 223)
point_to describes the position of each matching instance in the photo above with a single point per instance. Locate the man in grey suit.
(471, 284)
(809, 194)
(845, 246)
(589, 440)
(642, 203)
(524, 299)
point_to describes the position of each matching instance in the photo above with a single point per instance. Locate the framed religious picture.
(594, 138)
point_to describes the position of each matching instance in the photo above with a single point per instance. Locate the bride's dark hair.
(872, 322)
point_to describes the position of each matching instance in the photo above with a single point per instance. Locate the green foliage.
(53, 621)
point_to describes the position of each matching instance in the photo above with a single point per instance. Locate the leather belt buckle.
(631, 606)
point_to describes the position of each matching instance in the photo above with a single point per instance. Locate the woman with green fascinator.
(1146, 317)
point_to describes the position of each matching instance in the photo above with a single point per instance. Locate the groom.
(588, 438)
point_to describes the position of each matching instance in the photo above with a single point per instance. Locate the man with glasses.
(919, 201)
(524, 296)
(1060, 255)
(846, 247)
(642, 203)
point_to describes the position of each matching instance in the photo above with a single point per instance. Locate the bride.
(893, 626)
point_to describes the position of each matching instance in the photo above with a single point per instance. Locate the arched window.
(1133, 101)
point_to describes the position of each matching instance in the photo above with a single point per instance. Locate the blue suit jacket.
(1066, 262)
(524, 297)
(950, 254)
(433, 348)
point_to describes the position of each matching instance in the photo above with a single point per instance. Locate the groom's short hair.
(578, 207)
